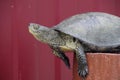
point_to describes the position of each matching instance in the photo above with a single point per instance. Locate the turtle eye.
(36, 27)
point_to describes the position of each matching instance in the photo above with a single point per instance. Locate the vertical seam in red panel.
(14, 41)
(57, 62)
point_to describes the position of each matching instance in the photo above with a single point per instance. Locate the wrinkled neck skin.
(49, 36)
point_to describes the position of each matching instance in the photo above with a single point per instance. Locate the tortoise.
(81, 33)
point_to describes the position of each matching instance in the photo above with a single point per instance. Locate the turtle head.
(39, 32)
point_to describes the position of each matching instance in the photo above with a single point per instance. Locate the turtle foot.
(83, 71)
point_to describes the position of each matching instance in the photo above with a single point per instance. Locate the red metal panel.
(35, 60)
(5, 41)
(23, 57)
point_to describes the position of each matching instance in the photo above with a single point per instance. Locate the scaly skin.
(61, 43)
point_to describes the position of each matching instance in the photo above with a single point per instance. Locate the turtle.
(81, 33)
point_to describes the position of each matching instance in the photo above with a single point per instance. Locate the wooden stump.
(101, 67)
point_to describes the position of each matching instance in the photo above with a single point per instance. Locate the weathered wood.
(101, 67)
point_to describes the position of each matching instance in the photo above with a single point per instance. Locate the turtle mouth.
(30, 31)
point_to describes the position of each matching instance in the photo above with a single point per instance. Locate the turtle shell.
(97, 28)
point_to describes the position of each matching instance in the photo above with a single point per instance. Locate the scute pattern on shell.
(97, 28)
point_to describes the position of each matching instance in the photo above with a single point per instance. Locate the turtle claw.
(66, 61)
(83, 71)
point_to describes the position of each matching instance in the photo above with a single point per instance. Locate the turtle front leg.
(82, 62)
(57, 52)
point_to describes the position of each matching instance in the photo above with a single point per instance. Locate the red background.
(24, 58)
